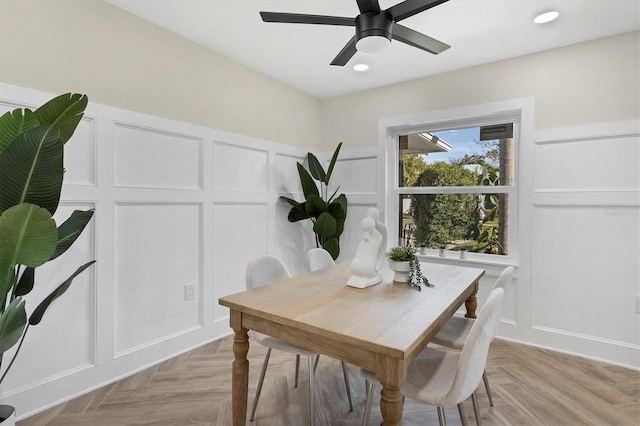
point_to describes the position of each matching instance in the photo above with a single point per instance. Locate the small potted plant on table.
(406, 267)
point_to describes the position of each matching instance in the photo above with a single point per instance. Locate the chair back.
(265, 269)
(316, 259)
(504, 279)
(473, 358)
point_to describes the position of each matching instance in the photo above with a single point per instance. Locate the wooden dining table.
(381, 328)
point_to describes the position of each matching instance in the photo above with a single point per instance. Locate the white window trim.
(521, 110)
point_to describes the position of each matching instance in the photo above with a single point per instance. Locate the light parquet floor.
(530, 387)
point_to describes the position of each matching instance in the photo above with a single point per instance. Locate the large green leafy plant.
(328, 213)
(31, 171)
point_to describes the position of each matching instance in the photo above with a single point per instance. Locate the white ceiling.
(479, 31)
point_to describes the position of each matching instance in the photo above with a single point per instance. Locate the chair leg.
(476, 408)
(312, 413)
(485, 379)
(297, 370)
(315, 367)
(367, 405)
(463, 415)
(260, 382)
(442, 418)
(347, 385)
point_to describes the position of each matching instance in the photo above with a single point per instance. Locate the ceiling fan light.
(545, 17)
(372, 44)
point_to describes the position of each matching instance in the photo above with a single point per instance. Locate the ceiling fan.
(374, 27)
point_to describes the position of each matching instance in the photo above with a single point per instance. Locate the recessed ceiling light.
(545, 17)
(361, 67)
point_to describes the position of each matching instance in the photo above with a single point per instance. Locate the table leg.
(240, 370)
(472, 302)
(391, 405)
(391, 373)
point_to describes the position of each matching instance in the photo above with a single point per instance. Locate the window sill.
(453, 258)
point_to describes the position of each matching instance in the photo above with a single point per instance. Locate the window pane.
(475, 222)
(459, 157)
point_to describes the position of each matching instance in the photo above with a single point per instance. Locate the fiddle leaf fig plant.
(31, 173)
(328, 213)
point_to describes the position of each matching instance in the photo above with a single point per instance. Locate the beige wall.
(121, 60)
(581, 84)
(118, 59)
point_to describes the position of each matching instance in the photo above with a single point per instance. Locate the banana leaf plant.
(328, 213)
(31, 172)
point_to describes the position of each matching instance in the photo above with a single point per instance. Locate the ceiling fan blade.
(297, 18)
(409, 8)
(368, 6)
(419, 40)
(346, 53)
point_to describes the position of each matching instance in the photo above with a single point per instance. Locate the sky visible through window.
(462, 141)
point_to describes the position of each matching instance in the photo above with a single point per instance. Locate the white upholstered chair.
(260, 271)
(454, 332)
(314, 260)
(446, 378)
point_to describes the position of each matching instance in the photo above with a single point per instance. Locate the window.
(452, 184)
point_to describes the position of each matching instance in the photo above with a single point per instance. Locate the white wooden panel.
(157, 252)
(239, 233)
(237, 168)
(64, 341)
(589, 164)
(355, 175)
(153, 158)
(586, 271)
(79, 154)
(287, 180)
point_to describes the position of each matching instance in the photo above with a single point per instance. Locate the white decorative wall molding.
(167, 221)
(153, 157)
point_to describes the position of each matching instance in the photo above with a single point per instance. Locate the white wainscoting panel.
(238, 168)
(80, 154)
(240, 233)
(353, 175)
(588, 164)
(585, 266)
(156, 158)
(584, 279)
(287, 181)
(157, 252)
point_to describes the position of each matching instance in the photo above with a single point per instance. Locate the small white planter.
(401, 271)
(7, 415)
(423, 250)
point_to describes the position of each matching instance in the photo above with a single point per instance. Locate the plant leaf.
(315, 168)
(70, 230)
(12, 323)
(37, 314)
(31, 169)
(296, 214)
(332, 245)
(292, 202)
(308, 185)
(63, 112)
(14, 123)
(28, 236)
(25, 283)
(332, 163)
(315, 206)
(337, 211)
(325, 226)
